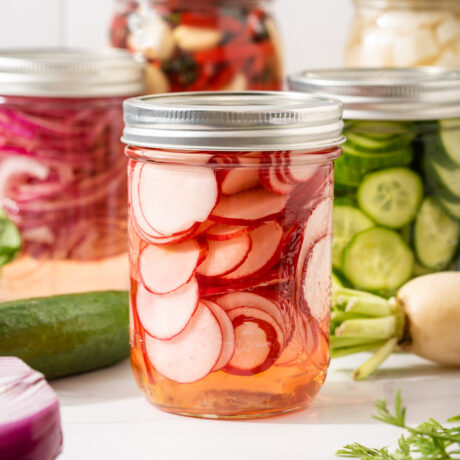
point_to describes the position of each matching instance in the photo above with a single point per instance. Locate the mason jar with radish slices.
(201, 45)
(230, 249)
(404, 33)
(397, 184)
(62, 168)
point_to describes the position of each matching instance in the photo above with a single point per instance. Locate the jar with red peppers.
(198, 45)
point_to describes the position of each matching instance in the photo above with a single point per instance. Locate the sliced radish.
(167, 240)
(316, 285)
(319, 223)
(226, 325)
(172, 199)
(257, 341)
(213, 286)
(299, 172)
(225, 256)
(239, 179)
(270, 177)
(191, 355)
(249, 207)
(249, 299)
(166, 268)
(264, 253)
(221, 232)
(163, 316)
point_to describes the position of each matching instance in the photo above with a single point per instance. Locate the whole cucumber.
(66, 334)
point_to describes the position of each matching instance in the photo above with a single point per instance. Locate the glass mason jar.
(397, 184)
(230, 249)
(404, 33)
(62, 168)
(201, 45)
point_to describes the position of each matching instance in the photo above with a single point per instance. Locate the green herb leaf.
(429, 440)
(10, 240)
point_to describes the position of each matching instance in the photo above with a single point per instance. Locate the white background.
(314, 31)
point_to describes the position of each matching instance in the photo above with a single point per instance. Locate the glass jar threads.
(62, 169)
(230, 235)
(201, 44)
(397, 184)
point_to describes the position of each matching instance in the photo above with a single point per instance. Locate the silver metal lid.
(424, 93)
(69, 72)
(248, 120)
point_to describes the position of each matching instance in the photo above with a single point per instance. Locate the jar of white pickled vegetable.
(405, 33)
(196, 45)
(397, 184)
(62, 168)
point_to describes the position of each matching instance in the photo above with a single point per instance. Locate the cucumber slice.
(391, 197)
(378, 260)
(450, 204)
(353, 165)
(444, 174)
(336, 283)
(348, 221)
(382, 129)
(436, 236)
(371, 144)
(450, 138)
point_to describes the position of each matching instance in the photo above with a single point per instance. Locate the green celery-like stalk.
(365, 322)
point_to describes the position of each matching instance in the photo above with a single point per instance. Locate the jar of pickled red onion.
(62, 168)
(230, 249)
(405, 33)
(201, 44)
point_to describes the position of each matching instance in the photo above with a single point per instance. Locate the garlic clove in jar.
(150, 35)
(156, 81)
(447, 31)
(449, 59)
(239, 82)
(376, 48)
(190, 38)
(417, 48)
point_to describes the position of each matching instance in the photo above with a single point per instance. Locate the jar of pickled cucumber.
(200, 45)
(397, 184)
(404, 33)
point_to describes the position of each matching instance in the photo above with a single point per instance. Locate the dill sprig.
(429, 440)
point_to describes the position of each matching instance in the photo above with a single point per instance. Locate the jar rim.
(221, 120)
(69, 72)
(422, 93)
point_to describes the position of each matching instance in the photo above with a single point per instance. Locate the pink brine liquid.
(230, 280)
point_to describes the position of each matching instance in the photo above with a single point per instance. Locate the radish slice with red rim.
(225, 256)
(171, 199)
(250, 299)
(239, 179)
(191, 355)
(221, 232)
(163, 316)
(264, 253)
(257, 342)
(247, 208)
(316, 286)
(228, 333)
(270, 180)
(166, 268)
(319, 224)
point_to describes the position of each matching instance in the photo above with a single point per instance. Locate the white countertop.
(106, 417)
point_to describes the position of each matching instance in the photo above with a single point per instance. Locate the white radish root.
(432, 306)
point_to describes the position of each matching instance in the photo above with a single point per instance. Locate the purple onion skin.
(35, 433)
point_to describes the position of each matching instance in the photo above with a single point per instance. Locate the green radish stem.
(424, 318)
(365, 322)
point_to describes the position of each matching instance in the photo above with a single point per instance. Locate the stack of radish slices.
(226, 254)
